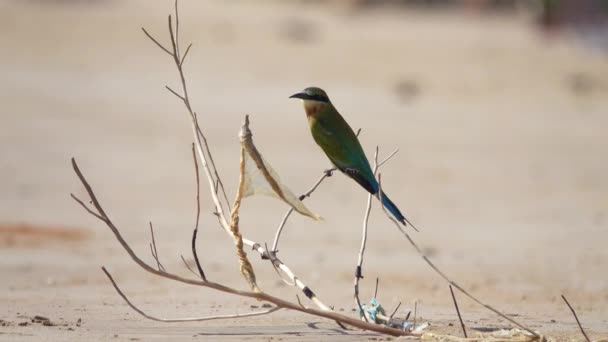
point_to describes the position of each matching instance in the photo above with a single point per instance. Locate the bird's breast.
(312, 108)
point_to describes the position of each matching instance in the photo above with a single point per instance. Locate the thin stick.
(395, 311)
(185, 54)
(387, 158)
(277, 236)
(188, 266)
(359, 267)
(154, 250)
(376, 288)
(464, 331)
(442, 275)
(200, 137)
(198, 214)
(156, 42)
(175, 320)
(576, 317)
(256, 295)
(415, 313)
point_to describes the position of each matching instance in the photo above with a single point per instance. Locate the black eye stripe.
(319, 98)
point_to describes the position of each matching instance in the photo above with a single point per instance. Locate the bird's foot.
(350, 171)
(329, 172)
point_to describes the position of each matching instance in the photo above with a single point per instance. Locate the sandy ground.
(502, 137)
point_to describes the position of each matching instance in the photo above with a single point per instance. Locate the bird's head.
(313, 98)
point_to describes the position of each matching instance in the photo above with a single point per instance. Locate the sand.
(502, 163)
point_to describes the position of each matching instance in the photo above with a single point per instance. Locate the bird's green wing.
(337, 139)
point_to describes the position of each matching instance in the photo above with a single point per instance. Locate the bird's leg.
(329, 172)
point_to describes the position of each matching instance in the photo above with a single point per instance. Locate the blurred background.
(499, 109)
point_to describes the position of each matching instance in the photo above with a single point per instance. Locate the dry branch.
(101, 214)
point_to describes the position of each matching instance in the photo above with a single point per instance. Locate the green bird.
(339, 142)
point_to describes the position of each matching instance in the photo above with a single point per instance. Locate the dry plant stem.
(464, 331)
(358, 269)
(198, 214)
(395, 311)
(101, 214)
(277, 236)
(188, 266)
(576, 318)
(211, 171)
(154, 250)
(175, 320)
(442, 275)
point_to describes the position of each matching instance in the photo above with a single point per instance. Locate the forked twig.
(464, 331)
(326, 174)
(576, 318)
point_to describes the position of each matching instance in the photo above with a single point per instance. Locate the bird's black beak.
(302, 96)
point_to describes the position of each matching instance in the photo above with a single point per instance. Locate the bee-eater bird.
(337, 139)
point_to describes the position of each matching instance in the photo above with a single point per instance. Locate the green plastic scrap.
(372, 309)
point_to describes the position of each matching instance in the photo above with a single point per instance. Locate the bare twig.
(192, 319)
(376, 288)
(576, 318)
(156, 42)
(464, 331)
(275, 244)
(185, 54)
(395, 311)
(188, 266)
(359, 267)
(198, 214)
(386, 159)
(79, 201)
(154, 250)
(174, 93)
(442, 275)
(202, 145)
(415, 313)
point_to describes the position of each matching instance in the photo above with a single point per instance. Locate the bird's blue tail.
(392, 208)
